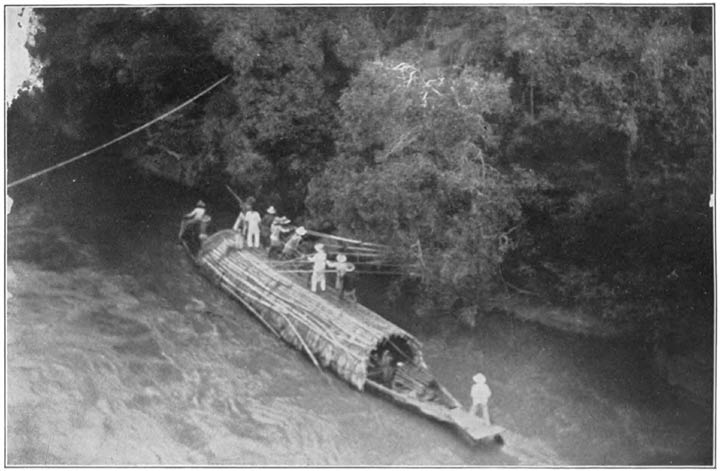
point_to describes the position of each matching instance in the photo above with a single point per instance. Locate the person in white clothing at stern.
(480, 394)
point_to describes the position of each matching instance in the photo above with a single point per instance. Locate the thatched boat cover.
(339, 334)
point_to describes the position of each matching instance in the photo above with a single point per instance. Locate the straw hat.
(300, 231)
(341, 258)
(281, 220)
(271, 210)
(200, 204)
(479, 378)
(319, 247)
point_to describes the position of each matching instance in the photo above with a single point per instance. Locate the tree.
(289, 67)
(416, 165)
(109, 68)
(616, 112)
(105, 71)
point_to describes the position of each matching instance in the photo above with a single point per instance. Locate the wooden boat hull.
(470, 427)
(335, 334)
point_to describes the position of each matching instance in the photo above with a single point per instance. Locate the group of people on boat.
(281, 241)
(386, 365)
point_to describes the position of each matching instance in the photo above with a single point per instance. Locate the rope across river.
(357, 248)
(119, 138)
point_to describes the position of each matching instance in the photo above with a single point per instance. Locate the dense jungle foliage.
(561, 152)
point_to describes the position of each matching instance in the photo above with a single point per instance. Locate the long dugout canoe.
(339, 335)
(340, 339)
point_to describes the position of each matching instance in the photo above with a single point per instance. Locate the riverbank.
(688, 371)
(574, 321)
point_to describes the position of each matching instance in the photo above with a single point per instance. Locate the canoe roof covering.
(340, 334)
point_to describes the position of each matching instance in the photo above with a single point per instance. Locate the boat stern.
(475, 429)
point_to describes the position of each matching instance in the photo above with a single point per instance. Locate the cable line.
(91, 151)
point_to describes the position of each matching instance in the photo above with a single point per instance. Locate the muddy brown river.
(119, 353)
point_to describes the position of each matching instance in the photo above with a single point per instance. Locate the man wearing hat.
(196, 216)
(277, 227)
(266, 224)
(319, 260)
(252, 219)
(480, 394)
(291, 246)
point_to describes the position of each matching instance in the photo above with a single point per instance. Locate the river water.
(119, 353)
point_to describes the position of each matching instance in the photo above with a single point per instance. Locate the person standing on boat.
(278, 226)
(247, 206)
(265, 226)
(252, 219)
(196, 216)
(319, 263)
(342, 266)
(344, 279)
(240, 221)
(480, 394)
(291, 249)
(349, 282)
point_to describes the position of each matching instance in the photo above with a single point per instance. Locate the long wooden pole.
(345, 239)
(374, 333)
(309, 322)
(357, 248)
(297, 334)
(297, 306)
(360, 272)
(240, 201)
(300, 302)
(291, 305)
(232, 289)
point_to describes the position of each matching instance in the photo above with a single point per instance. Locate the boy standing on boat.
(266, 224)
(344, 281)
(342, 266)
(348, 286)
(319, 263)
(252, 219)
(480, 394)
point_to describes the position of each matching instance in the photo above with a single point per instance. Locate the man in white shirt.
(480, 394)
(252, 219)
(319, 263)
